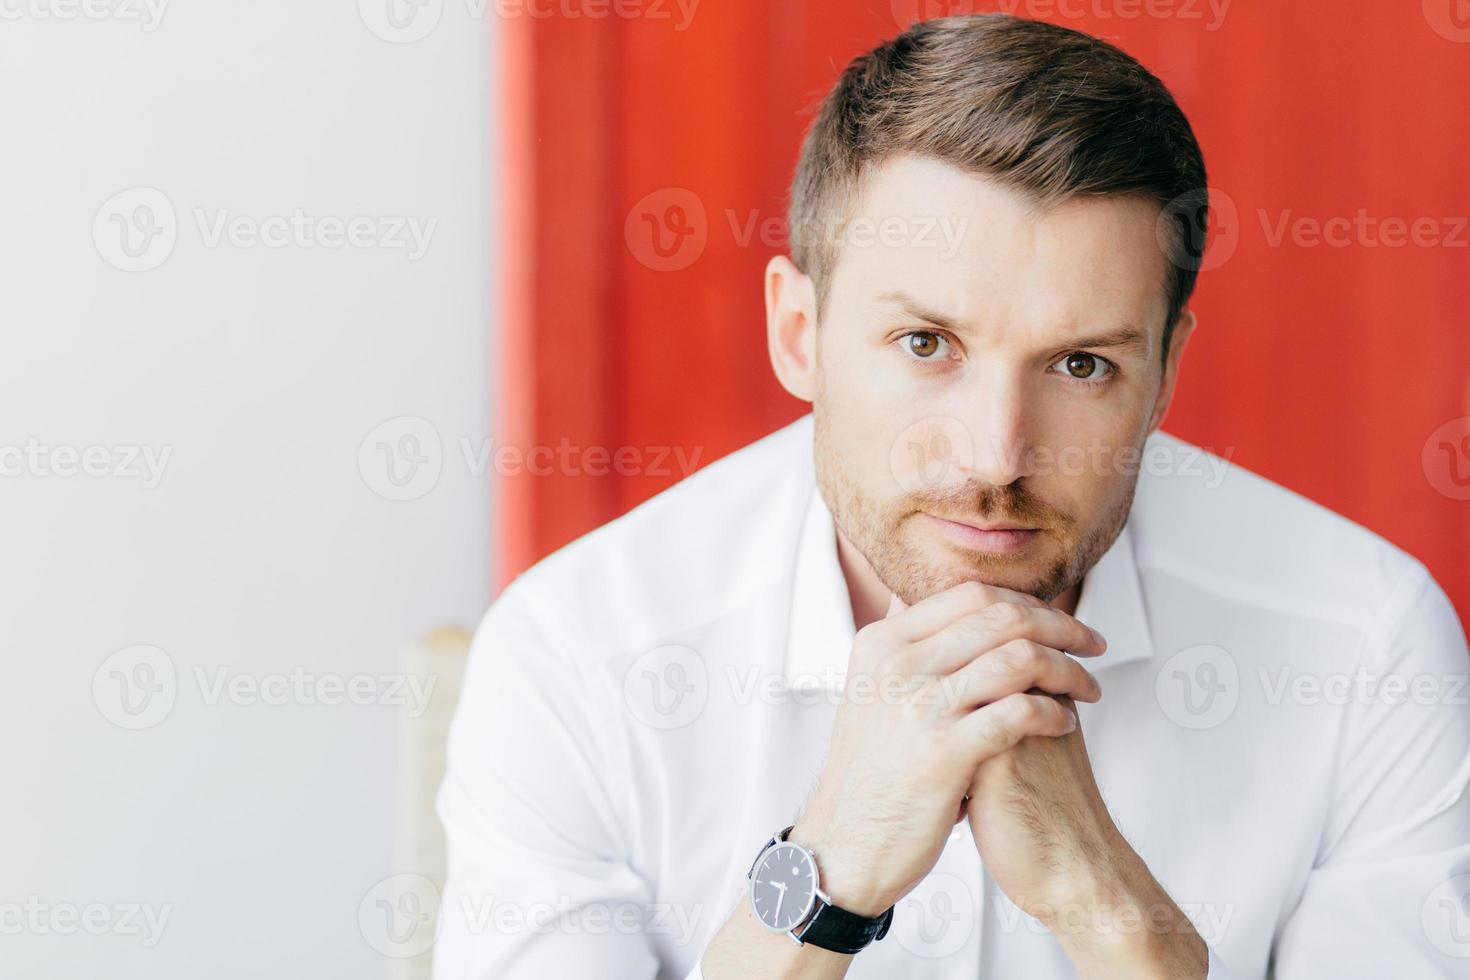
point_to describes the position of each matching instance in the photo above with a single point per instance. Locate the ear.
(791, 327)
(1183, 328)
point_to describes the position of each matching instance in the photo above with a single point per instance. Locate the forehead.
(975, 248)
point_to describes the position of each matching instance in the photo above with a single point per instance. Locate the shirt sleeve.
(1387, 895)
(538, 880)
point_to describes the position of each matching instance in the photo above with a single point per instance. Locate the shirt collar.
(820, 632)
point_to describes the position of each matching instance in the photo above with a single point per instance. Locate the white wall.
(256, 828)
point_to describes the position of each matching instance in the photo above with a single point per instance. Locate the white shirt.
(1283, 737)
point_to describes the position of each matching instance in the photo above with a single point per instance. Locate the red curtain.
(1333, 354)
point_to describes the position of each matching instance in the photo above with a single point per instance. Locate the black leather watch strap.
(842, 931)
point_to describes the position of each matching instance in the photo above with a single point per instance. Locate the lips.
(998, 538)
(987, 527)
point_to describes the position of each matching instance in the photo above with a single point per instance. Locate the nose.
(994, 410)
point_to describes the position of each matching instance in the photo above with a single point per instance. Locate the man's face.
(983, 365)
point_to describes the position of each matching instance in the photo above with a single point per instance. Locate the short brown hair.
(1045, 110)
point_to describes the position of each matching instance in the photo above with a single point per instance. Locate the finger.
(895, 606)
(933, 613)
(998, 624)
(1018, 666)
(987, 731)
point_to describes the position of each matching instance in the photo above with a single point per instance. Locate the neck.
(870, 597)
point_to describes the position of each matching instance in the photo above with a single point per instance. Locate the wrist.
(1117, 921)
(847, 882)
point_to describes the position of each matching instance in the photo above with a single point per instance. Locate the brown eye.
(1085, 367)
(923, 344)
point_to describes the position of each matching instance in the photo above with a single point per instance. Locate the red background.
(1324, 368)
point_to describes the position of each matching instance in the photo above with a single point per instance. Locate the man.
(972, 671)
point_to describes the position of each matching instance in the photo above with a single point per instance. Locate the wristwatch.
(786, 896)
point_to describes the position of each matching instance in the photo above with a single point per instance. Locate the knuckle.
(1017, 657)
(1032, 710)
(1003, 615)
(1031, 655)
(969, 633)
(998, 728)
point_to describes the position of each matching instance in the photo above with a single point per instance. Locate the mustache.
(1012, 502)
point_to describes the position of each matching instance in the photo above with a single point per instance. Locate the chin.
(932, 569)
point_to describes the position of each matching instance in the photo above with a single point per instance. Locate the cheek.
(1091, 428)
(1084, 466)
(1086, 486)
(929, 453)
(859, 415)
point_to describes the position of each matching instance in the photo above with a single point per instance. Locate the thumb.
(895, 605)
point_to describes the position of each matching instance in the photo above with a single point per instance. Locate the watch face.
(783, 887)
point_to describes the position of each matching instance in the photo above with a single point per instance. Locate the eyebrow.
(1126, 337)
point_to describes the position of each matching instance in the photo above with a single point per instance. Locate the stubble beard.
(876, 529)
